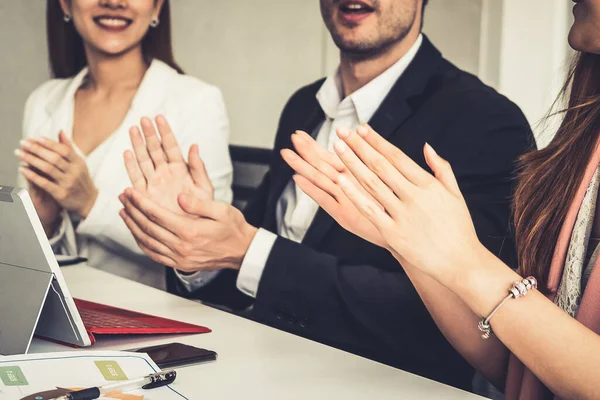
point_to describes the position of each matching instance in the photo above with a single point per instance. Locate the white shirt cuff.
(196, 280)
(63, 241)
(254, 262)
(61, 230)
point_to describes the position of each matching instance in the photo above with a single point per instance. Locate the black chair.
(250, 164)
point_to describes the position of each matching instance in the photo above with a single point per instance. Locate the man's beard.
(368, 47)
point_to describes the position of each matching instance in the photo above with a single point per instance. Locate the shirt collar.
(368, 98)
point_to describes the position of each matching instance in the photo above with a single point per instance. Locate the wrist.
(248, 232)
(484, 283)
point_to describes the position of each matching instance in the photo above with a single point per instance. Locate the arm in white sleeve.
(255, 261)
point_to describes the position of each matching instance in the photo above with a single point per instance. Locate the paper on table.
(48, 375)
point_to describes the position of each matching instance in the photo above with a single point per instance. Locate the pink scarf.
(521, 383)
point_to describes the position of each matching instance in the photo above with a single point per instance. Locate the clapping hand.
(158, 170)
(317, 172)
(54, 168)
(171, 211)
(424, 218)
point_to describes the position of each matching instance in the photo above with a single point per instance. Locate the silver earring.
(67, 18)
(154, 22)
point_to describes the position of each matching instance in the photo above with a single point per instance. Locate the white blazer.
(195, 111)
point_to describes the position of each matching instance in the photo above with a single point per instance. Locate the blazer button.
(279, 314)
(304, 323)
(292, 319)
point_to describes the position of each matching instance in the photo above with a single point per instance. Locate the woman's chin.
(113, 49)
(585, 43)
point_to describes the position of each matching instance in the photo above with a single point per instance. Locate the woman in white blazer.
(114, 64)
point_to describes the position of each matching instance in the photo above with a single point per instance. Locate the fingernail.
(24, 143)
(431, 148)
(343, 132)
(18, 153)
(340, 146)
(362, 131)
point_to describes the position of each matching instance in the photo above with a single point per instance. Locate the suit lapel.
(392, 113)
(589, 310)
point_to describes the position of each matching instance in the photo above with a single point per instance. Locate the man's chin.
(356, 47)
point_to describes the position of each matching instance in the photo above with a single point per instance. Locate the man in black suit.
(300, 271)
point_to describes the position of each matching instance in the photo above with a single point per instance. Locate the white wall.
(258, 52)
(533, 55)
(22, 68)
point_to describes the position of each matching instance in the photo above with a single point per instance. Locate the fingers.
(133, 171)
(321, 197)
(377, 163)
(146, 222)
(39, 148)
(202, 208)
(311, 152)
(442, 170)
(141, 153)
(198, 169)
(65, 145)
(49, 170)
(311, 145)
(52, 188)
(367, 207)
(153, 144)
(164, 226)
(309, 173)
(153, 248)
(368, 180)
(403, 163)
(169, 142)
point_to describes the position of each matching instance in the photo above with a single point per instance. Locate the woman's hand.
(317, 170)
(424, 218)
(158, 169)
(57, 169)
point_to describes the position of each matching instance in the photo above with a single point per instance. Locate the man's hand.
(209, 236)
(57, 169)
(317, 174)
(158, 169)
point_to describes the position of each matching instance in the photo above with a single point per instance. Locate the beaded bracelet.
(518, 289)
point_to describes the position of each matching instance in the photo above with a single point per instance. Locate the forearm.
(458, 323)
(560, 351)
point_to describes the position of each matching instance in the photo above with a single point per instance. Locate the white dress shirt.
(295, 210)
(196, 112)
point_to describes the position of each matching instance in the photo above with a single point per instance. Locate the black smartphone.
(177, 354)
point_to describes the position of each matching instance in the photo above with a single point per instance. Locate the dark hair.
(549, 178)
(65, 46)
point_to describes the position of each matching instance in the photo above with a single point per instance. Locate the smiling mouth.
(112, 22)
(355, 8)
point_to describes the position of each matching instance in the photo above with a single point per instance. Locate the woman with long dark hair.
(533, 344)
(112, 62)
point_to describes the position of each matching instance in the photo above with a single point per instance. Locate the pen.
(71, 261)
(148, 382)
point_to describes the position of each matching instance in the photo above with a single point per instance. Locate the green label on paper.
(111, 371)
(13, 376)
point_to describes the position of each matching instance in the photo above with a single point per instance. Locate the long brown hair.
(549, 178)
(65, 46)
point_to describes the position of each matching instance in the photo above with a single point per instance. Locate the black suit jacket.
(340, 290)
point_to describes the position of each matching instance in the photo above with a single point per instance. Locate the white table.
(255, 361)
